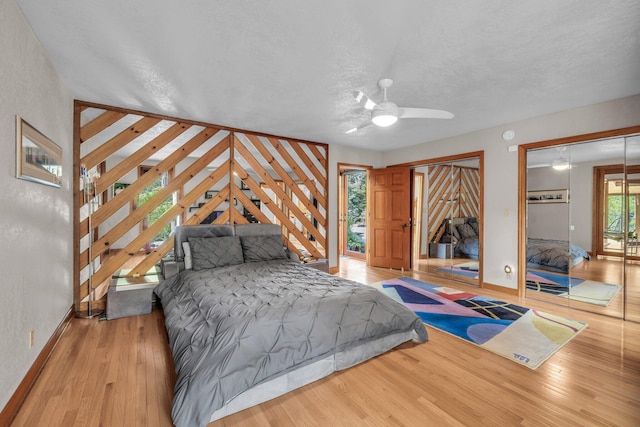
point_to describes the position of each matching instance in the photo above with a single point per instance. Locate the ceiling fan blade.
(362, 126)
(423, 113)
(363, 100)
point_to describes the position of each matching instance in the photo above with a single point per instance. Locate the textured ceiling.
(288, 67)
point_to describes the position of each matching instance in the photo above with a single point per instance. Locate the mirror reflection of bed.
(570, 257)
(446, 219)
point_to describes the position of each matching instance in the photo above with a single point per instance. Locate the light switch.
(507, 212)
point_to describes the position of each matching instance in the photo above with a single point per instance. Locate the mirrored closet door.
(446, 216)
(581, 225)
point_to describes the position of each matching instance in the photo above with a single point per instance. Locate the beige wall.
(501, 169)
(36, 252)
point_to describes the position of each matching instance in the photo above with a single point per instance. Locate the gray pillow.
(466, 231)
(213, 252)
(474, 225)
(262, 248)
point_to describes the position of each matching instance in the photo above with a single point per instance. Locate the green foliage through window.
(356, 210)
(157, 212)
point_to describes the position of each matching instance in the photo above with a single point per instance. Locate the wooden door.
(389, 222)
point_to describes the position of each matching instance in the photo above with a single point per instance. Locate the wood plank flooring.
(120, 373)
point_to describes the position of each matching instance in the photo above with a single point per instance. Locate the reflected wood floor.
(120, 373)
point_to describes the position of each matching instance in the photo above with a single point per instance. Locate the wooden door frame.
(416, 216)
(342, 202)
(454, 158)
(522, 187)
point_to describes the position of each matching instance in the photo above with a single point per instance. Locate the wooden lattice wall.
(209, 173)
(454, 192)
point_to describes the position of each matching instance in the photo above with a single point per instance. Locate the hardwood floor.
(120, 373)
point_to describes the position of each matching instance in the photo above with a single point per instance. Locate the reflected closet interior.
(446, 218)
(582, 225)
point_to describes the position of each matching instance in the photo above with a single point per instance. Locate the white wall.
(548, 220)
(36, 248)
(501, 169)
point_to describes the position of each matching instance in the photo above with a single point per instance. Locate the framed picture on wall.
(548, 196)
(38, 159)
(209, 194)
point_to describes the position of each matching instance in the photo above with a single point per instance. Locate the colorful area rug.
(466, 269)
(588, 291)
(528, 337)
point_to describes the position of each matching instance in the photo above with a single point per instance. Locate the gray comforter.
(234, 327)
(554, 255)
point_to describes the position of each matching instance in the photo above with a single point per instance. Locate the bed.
(554, 255)
(247, 321)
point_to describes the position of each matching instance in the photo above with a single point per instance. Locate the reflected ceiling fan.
(387, 113)
(560, 162)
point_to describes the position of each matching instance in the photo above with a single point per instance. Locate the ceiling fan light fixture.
(561, 164)
(383, 119)
(386, 115)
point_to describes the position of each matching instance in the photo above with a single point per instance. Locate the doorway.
(352, 215)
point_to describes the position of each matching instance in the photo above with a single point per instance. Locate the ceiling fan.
(387, 113)
(560, 162)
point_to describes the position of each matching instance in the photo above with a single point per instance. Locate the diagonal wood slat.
(307, 162)
(322, 159)
(99, 124)
(117, 142)
(140, 156)
(281, 149)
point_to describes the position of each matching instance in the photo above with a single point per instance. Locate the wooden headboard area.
(454, 192)
(138, 175)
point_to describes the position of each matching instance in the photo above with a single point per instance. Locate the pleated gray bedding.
(554, 255)
(234, 327)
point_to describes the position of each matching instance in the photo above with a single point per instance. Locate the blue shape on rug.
(475, 329)
(411, 297)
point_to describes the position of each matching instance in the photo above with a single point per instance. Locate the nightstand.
(131, 296)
